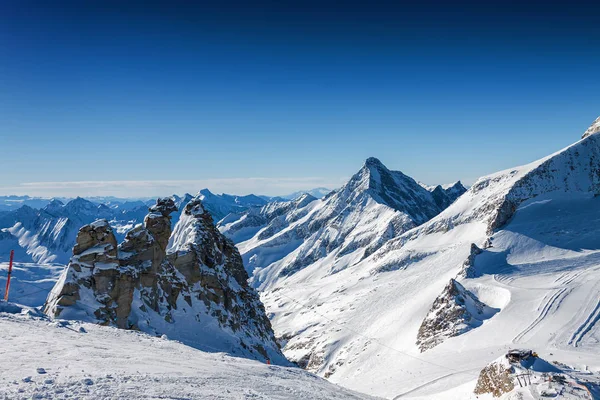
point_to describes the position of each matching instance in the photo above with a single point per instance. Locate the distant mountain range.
(12, 202)
(44, 230)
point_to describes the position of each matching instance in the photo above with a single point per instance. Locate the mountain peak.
(205, 192)
(373, 162)
(594, 128)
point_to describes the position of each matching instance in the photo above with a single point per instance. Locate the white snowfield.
(358, 325)
(45, 359)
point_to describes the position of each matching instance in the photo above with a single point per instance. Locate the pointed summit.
(373, 162)
(594, 128)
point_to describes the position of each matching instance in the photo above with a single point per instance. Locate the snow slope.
(268, 219)
(30, 283)
(540, 268)
(61, 359)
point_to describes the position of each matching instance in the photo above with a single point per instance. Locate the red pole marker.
(12, 254)
(268, 362)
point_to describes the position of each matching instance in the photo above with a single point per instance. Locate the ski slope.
(540, 267)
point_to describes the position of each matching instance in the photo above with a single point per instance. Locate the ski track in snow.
(586, 327)
(549, 304)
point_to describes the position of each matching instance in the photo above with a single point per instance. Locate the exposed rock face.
(495, 379)
(213, 268)
(468, 270)
(94, 265)
(444, 196)
(198, 294)
(453, 313)
(594, 128)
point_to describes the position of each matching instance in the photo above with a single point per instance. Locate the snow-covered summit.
(594, 128)
(339, 230)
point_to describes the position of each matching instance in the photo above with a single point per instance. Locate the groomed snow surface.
(44, 359)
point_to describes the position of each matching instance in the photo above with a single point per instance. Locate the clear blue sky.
(291, 96)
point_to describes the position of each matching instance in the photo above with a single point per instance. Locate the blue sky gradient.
(290, 94)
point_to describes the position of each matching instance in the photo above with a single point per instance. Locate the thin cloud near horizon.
(152, 188)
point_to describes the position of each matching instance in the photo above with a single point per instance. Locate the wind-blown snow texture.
(68, 359)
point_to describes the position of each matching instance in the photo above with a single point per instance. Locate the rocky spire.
(198, 294)
(213, 268)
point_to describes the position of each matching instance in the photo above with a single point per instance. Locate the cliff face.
(197, 295)
(213, 269)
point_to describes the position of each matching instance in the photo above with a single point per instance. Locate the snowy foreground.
(59, 359)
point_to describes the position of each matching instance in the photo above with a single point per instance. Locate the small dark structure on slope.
(517, 355)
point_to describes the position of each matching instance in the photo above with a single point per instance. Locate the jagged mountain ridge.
(346, 226)
(48, 234)
(220, 205)
(198, 294)
(268, 219)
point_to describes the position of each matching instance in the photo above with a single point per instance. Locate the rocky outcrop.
(468, 267)
(446, 195)
(495, 379)
(454, 312)
(102, 277)
(213, 268)
(198, 294)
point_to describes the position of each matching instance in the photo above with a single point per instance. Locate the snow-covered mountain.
(523, 244)
(198, 294)
(335, 232)
(268, 219)
(220, 205)
(318, 193)
(47, 235)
